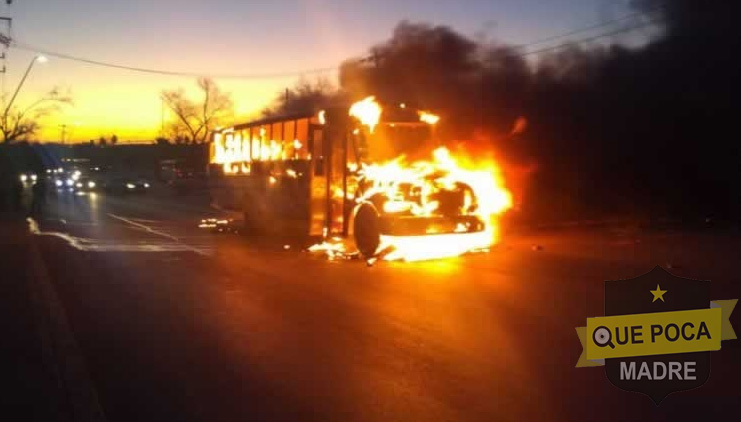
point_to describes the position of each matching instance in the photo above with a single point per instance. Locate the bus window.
(228, 139)
(256, 144)
(264, 136)
(277, 146)
(300, 144)
(277, 133)
(318, 152)
(302, 130)
(246, 145)
(289, 130)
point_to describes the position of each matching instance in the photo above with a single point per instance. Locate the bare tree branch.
(20, 124)
(305, 96)
(198, 119)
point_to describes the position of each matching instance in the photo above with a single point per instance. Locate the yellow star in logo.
(658, 294)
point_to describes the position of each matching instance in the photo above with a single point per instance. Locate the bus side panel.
(287, 198)
(227, 192)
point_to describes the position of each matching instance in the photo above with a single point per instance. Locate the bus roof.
(395, 115)
(274, 119)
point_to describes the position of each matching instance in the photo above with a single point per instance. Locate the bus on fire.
(343, 173)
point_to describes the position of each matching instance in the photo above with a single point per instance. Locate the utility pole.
(64, 132)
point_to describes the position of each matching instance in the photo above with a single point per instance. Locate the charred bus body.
(312, 175)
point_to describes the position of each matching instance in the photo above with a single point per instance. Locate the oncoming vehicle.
(341, 174)
(122, 185)
(86, 184)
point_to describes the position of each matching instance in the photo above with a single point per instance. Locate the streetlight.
(40, 59)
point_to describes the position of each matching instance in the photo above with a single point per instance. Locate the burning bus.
(348, 178)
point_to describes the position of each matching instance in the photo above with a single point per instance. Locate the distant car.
(86, 184)
(28, 178)
(124, 185)
(62, 183)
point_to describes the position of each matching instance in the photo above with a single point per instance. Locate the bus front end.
(445, 203)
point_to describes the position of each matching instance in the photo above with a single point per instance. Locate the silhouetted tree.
(21, 123)
(197, 119)
(305, 96)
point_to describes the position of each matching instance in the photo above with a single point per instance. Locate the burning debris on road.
(219, 225)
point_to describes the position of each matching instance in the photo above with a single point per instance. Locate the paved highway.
(163, 321)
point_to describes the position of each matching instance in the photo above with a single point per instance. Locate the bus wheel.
(366, 229)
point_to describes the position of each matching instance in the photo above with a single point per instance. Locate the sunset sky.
(228, 37)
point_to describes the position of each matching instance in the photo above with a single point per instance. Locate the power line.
(591, 38)
(274, 75)
(593, 26)
(580, 30)
(277, 75)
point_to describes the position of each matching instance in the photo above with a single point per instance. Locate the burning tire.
(366, 229)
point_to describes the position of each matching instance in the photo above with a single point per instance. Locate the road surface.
(166, 322)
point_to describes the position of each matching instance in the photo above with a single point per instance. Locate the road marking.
(142, 220)
(157, 232)
(98, 245)
(144, 227)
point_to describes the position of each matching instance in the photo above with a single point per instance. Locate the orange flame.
(429, 118)
(480, 183)
(231, 151)
(368, 111)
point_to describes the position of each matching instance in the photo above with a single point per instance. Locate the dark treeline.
(647, 132)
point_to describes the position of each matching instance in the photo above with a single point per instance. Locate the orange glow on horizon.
(135, 113)
(110, 101)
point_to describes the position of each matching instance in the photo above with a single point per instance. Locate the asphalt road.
(172, 323)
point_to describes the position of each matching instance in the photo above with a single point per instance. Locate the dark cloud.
(648, 131)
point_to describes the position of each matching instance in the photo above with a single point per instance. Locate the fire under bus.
(341, 177)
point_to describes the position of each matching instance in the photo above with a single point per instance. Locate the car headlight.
(130, 186)
(146, 185)
(34, 177)
(91, 184)
(24, 177)
(70, 182)
(78, 184)
(58, 183)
